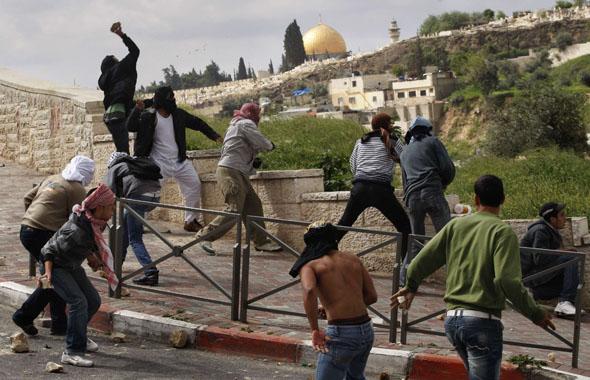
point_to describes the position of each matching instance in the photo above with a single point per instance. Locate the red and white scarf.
(102, 196)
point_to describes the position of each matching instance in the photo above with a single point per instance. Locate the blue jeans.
(134, 235)
(478, 342)
(563, 286)
(420, 203)
(83, 301)
(348, 351)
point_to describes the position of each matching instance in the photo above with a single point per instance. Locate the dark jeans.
(382, 197)
(118, 130)
(478, 341)
(563, 286)
(134, 235)
(424, 202)
(33, 240)
(348, 350)
(83, 300)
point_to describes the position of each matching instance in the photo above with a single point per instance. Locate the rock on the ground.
(118, 337)
(19, 342)
(125, 292)
(52, 367)
(178, 338)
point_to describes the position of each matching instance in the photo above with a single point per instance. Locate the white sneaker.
(91, 345)
(565, 308)
(269, 246)
(207, 246)
(76, 360)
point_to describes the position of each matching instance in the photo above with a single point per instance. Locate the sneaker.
(76, 360)
(269, 246)
(193, 226)
(91, 345)
(28, 328)
(565, 308)
(207, 246)
(149, 279)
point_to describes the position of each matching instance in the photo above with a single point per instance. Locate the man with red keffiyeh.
(79, 239)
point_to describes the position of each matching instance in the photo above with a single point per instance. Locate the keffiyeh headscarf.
(80, 169)
(320, 239)
(115, 156)
(250, 111)
(102, 196)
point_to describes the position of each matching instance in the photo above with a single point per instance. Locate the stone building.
(361, 92)
(422, 97)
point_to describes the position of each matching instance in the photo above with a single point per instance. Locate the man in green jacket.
(481, 253)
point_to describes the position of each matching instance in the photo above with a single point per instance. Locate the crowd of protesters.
(63, 227)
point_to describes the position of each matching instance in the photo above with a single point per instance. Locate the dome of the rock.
(323, 41)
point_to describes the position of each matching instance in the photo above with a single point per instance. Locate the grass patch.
(536, 177)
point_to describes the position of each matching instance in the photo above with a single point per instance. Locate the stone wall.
(43, 125)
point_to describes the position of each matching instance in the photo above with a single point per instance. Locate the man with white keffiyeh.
(79, 239)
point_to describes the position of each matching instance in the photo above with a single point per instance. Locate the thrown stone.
(178, 338)
(19, 343)
(52, 367)
(118, 337)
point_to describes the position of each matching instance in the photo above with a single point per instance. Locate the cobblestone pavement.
(267, 271)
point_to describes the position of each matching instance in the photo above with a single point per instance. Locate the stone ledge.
(204, 153)
(274, 175)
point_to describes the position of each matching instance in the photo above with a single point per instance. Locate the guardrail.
(230, 297)
(248, 303)
(573, 346)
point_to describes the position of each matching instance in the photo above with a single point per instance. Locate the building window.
(374, 99)
(352, 100)
(353, 83)
(412, 94)
(401, 95)
(431, 90)
(422, 92)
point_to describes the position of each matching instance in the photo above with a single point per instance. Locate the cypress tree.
(242, 73)
(271, 69)
(293, 45)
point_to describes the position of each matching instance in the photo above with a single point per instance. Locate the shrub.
(563, 40)
(585, 79)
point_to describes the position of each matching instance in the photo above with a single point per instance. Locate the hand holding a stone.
(116, 28)
(402, 299)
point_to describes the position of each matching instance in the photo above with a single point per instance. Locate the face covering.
(164, 98)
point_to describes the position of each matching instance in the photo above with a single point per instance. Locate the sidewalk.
(267, 271)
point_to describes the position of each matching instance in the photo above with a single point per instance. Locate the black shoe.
(150, 280)
(28, 328)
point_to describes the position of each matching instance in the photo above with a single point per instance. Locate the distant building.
(422, 97)
(323, 41)
(394, 32)
(361, 92)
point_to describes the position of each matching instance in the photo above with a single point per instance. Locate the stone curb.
(396, 363)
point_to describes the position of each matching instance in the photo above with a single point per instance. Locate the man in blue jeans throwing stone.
(483, 269)
(345, 289)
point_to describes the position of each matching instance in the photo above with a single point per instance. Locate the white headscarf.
(80, 169)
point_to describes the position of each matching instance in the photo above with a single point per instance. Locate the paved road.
(133, 360)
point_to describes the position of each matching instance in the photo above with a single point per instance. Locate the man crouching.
(345, 289)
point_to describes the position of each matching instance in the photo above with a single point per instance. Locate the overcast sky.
(65, 40)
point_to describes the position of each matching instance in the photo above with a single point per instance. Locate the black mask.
(164, 98)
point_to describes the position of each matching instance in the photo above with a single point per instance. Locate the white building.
(361, 92)
(422, 97)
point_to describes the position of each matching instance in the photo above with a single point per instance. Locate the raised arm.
(130, 59)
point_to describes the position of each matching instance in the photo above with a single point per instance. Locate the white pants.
(188, 180)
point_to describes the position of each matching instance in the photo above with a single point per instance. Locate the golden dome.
(322, 39)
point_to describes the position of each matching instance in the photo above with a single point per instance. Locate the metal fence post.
(395, 287)
(578, 317)
(113, 243)
(118, 255)
(245, 274)
(235, 282)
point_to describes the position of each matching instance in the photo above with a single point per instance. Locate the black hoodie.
(540, 234)
(118, 79)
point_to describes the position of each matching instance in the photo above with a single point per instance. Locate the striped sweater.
(371, 162)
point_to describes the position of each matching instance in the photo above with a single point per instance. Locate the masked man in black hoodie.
(117, 81)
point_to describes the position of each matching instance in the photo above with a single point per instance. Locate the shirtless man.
(345, 289)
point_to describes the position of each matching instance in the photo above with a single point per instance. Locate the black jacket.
(118, 82)
(540, 234)
(144, 123)
(71, 244)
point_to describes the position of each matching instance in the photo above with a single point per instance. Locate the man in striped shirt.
(372, 164)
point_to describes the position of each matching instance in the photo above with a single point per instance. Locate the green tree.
(293, 45)
(563, 40)
(242, 73)
(562, 4)
(488, 14)
(415, 59)
(172, 78)
(500, 15)
(271, 68)
(542, 115)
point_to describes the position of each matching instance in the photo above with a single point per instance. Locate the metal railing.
(230, 297)
(573, 346)
(248, 303)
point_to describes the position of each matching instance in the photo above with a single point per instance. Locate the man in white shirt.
(161, 135)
